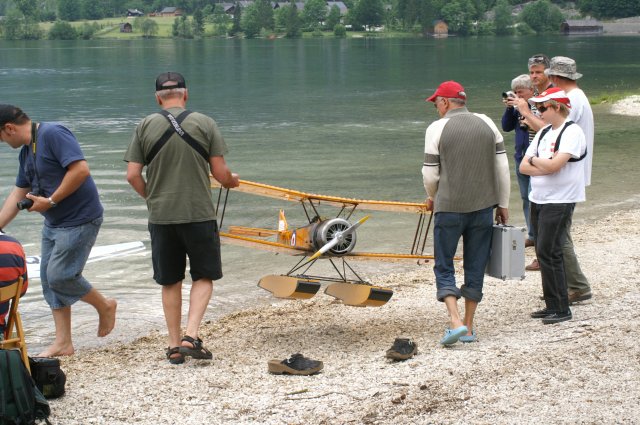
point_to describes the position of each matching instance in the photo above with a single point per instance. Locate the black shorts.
(171, 244)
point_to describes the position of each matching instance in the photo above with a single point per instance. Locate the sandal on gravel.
(402, 349)
(297, 364)
(197, 351)
(176, 359)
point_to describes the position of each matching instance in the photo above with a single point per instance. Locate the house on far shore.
(440, 29)
(171, 11)
(126, 27)
(134, 13)
(582, 27)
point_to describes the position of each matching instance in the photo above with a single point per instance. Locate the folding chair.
(12, 293)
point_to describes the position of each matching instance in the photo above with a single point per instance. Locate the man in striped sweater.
(466, 176)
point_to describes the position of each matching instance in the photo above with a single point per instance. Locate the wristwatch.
(53, 204)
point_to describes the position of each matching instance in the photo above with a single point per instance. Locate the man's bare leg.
(452, 308)
(199, 298)
(106, 308)
(63, 345)
(172, 306)
(470, 307)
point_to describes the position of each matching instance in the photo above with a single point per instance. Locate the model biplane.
(331, 238)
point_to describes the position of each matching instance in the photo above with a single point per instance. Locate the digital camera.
(26, 203)
(508, 94)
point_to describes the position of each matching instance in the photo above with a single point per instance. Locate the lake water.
(339, 117)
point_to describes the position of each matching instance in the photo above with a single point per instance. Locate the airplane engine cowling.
(328, 230)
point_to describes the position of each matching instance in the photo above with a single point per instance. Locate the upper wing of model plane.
(297, 196)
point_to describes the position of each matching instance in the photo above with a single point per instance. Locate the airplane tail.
(282, 222)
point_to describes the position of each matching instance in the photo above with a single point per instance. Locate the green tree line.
(464, 17)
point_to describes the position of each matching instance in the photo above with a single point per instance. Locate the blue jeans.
(525, 188)
(551, 226)
(65, 251)
(476, 230)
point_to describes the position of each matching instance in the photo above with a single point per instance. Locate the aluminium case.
(507, 253)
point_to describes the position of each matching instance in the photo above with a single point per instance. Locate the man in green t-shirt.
(179, 148)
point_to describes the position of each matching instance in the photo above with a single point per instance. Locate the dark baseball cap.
(174, 77)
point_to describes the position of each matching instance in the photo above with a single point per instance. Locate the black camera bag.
(48, 376)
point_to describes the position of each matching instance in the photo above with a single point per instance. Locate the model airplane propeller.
(333, 239)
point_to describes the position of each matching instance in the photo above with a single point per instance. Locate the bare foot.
(55, 350)
(107, 318)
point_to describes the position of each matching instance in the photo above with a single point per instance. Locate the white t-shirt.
(582, 115)
(567, 184)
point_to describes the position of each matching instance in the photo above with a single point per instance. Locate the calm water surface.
(341, 117)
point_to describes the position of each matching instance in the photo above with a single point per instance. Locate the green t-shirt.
(178, 188)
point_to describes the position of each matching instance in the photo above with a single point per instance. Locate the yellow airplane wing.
(249, 241)
(297, 196)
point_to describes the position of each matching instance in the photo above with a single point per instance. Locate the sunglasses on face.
(542, 108)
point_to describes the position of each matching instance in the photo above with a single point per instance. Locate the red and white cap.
(554, 93)
(449, 89)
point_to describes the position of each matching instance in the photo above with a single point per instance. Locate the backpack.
(48, 376)
(21, 403)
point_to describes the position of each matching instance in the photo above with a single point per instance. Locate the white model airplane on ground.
(98, 253)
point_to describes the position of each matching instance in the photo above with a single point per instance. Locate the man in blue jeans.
(54, 180)
(466, 176)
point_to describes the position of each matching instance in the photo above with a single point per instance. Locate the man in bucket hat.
(563, 73)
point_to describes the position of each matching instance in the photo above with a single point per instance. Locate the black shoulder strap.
(557, 144)
(176, 128)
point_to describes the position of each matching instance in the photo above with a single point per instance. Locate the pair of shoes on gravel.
(402, 349)
(297, 364)
(451, 336)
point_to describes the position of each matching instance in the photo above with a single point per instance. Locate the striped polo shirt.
(13, 264)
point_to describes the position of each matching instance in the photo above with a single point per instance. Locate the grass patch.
(611, 98)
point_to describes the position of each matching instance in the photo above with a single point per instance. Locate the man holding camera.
(512, 120)
(54, 180)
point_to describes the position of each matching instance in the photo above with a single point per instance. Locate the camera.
(25, 204)
(508, 94)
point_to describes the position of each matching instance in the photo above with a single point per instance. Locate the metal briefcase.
(507, 253)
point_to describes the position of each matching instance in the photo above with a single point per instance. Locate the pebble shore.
(520, 371)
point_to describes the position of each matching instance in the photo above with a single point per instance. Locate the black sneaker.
(402, 349)
(297, 364)
(557, 318)
(542, 313)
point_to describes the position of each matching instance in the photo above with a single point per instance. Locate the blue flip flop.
(451, 336)
(469, 338)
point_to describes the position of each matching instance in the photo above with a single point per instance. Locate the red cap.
(554, 93)
(449, 89)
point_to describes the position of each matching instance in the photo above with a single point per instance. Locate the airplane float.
(327, 238)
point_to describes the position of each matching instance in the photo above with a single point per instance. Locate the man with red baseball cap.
(466, 176)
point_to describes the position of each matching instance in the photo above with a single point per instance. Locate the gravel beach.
(585, 371)
(520, 371)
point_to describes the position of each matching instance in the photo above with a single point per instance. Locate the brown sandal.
(197, 351)
(172, 351)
